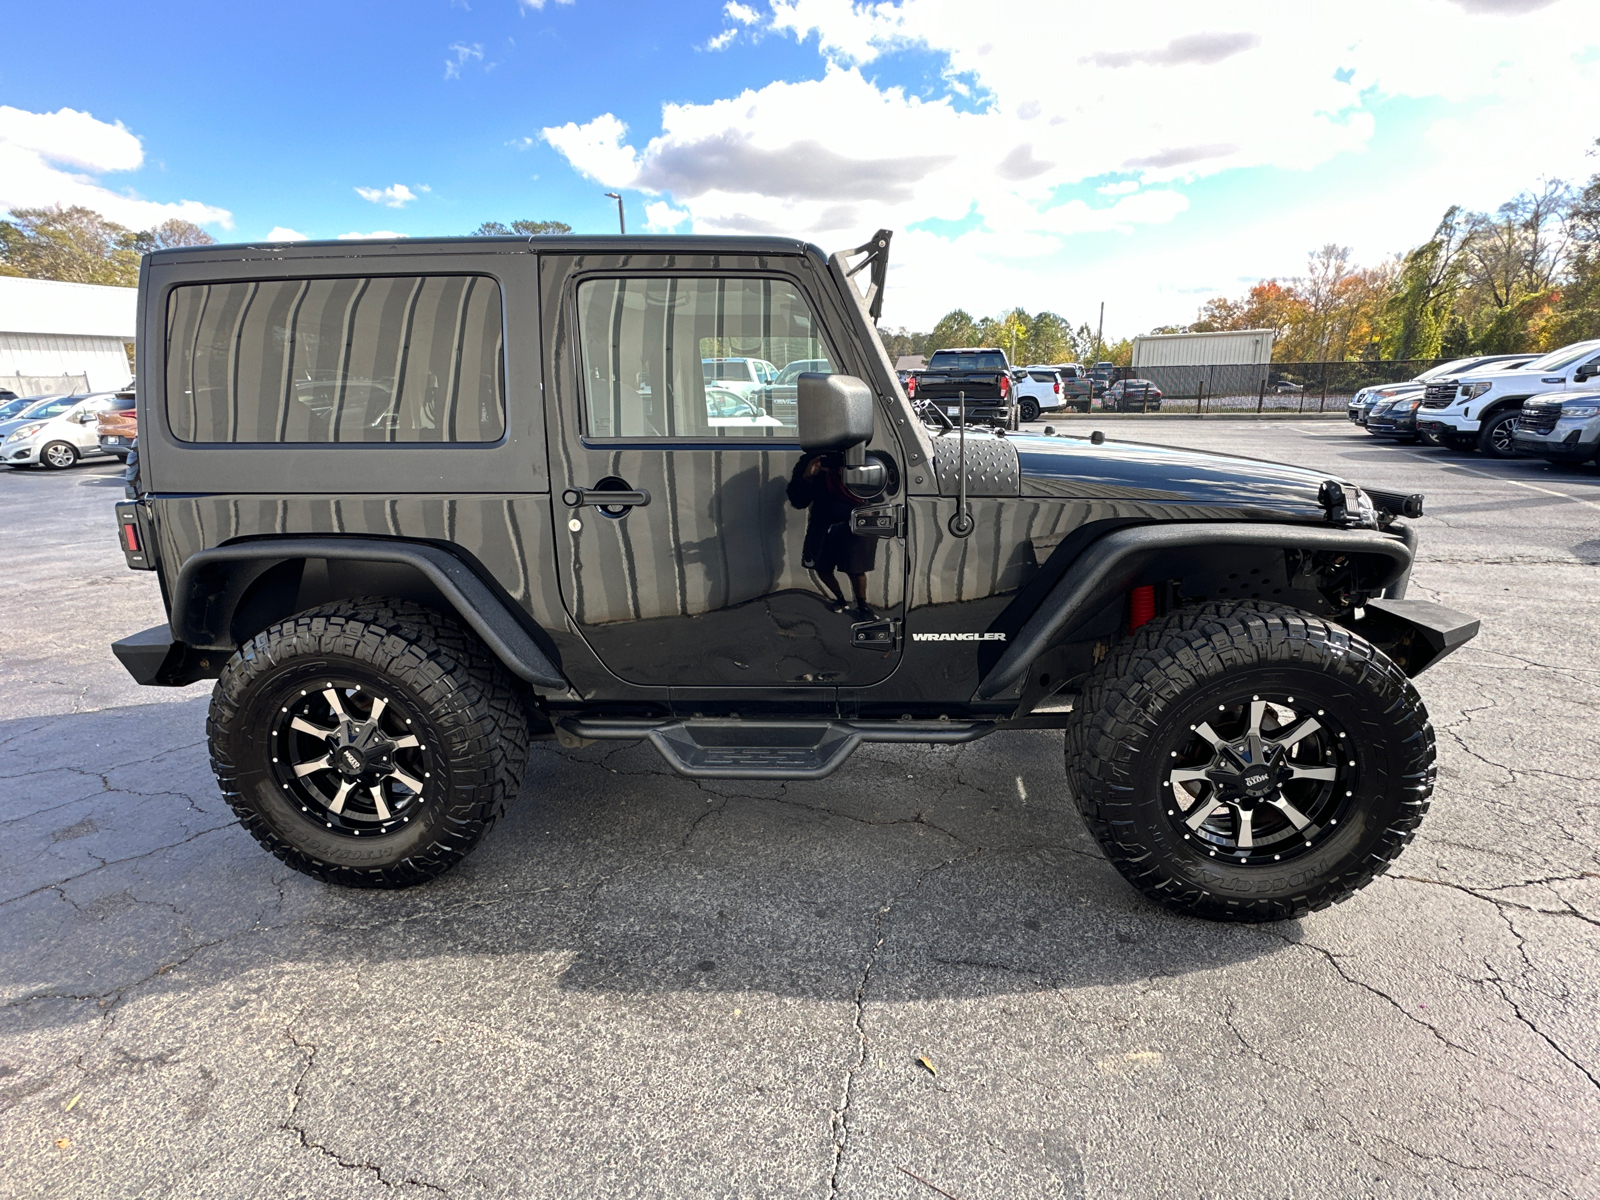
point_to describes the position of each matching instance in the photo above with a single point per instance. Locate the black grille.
(1439, 395)
(1539, 420)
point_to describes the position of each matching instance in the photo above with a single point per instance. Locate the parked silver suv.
(1562, 427)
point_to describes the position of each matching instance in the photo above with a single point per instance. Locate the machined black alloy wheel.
(1260, 780)
(1246, 761)
(1498, 438)
(367, 743)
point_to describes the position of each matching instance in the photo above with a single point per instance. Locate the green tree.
(954, 329)
(75, 245)
(173, 233)
(525, 228)
(1420, 303)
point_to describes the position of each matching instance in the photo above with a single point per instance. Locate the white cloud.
(536, 5)
(282, 233)
(378, 234)
(663, 217)
(741, 13)
(461, 55)
(53, 158)
(1164, 97)
(720, 42)
(396, 195)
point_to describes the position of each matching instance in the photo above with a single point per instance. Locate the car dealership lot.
(644, 985)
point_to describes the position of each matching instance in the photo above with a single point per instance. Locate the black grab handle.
(603, 498)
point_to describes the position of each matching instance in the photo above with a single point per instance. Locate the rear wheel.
(367, 743)
(1030, 410)
(1248, 762)
(1498, 436)
(58, 455)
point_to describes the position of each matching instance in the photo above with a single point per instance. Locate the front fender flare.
(1111, 564)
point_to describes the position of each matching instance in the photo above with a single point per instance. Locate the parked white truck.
(1482, 408)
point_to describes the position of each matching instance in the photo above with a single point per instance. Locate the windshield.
(1563, 357)
(1449, 368)
(15, 408)
(951, 360)
(54, 408)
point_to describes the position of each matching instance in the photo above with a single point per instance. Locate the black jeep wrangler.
(413, 504)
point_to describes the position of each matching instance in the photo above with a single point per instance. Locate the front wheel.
(369, 743)
(1249, 762)
(58, 456)
(1498, 437)
(1030, 410)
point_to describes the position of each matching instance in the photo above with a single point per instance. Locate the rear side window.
(411, 358)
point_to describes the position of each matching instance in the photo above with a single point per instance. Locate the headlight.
(26, 431)
(1408, 405)
(1584, 410)
(1471, 391)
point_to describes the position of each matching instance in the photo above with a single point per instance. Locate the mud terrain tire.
(458, 706)
(1135, 716)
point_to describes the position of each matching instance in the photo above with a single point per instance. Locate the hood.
(1224, 485)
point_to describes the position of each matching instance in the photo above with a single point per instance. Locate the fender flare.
(1109, 566)
(210, 584)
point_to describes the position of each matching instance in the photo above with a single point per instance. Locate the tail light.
(1141, 606)
(1005, 386)
(911, 388)
(1057, 386)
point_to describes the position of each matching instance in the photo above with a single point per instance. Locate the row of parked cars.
(1500, 404)
(55, 432)
(979, 384)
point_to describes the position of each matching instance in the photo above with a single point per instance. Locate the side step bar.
(738, 749)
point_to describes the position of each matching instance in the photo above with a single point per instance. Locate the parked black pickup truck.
(414, 504)
(981, 374)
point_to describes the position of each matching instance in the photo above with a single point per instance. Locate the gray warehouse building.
(1228, 364)
(59, 338)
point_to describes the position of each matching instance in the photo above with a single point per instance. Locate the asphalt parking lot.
(916, 979)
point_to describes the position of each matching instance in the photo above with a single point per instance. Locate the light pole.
(622, 222)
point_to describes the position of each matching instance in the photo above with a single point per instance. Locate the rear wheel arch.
(226, 595)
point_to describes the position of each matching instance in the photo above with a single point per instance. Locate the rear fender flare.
(212, 583)
(1112, 564)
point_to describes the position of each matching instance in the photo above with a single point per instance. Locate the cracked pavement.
(644, 986)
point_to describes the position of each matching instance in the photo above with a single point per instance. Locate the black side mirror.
(835, 413)
(1586, 372)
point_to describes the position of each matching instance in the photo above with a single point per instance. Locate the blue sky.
(1052, 155)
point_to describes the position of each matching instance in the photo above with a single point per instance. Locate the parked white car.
(55, 433)
(1038, 391)
(1483, 408)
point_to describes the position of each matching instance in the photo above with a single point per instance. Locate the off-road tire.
(1497, 437)
(58, 456)
(465, 705)
(1135, 706)
(1030, 411)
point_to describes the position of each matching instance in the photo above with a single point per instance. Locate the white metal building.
(64, 337)
(1243, 347)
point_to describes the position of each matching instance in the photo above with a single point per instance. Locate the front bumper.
(155, 659)
(20, 454)
(1572, 440)
(1393, 425)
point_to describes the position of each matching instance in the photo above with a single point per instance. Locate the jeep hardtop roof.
(558, 243)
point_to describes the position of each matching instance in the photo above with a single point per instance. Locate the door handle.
(605, 498)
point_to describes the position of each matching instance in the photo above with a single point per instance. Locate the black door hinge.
(883, 520)
(876, 635)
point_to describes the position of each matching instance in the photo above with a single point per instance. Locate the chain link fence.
(1275, 387)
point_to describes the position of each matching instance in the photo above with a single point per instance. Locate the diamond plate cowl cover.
(991, 465)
